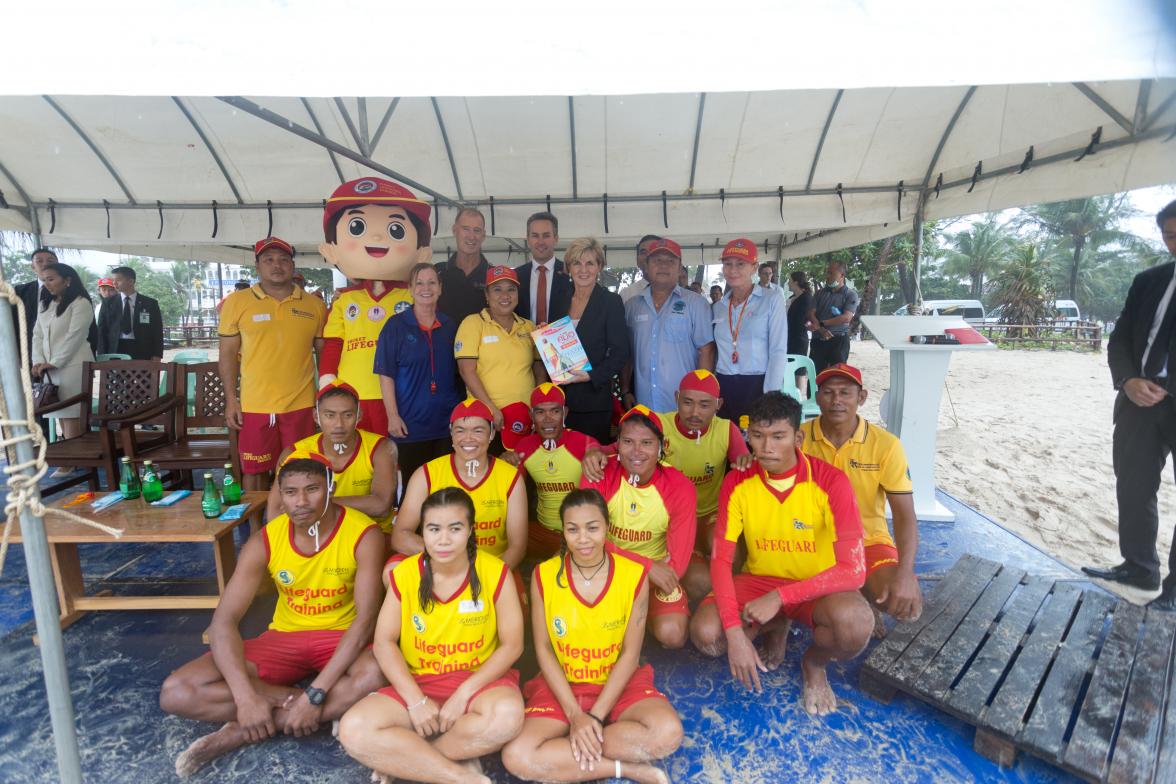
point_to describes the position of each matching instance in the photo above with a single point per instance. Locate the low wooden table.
(181, 522)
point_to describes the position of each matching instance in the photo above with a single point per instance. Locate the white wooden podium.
(917, 373)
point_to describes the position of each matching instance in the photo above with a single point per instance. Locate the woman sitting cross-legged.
(593, 711)
(449, 631)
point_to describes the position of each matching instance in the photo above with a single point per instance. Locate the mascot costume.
(375, 232)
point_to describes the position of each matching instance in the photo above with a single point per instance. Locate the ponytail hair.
(449, 496)
(584, 496)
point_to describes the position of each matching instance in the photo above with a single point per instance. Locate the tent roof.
(827, 158)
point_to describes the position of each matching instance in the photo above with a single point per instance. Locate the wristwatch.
(315, 696)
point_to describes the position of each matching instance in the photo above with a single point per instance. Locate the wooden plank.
(914, 659)
(1139, 734)
(225, 554)
(901, 635)
(971, 694)
(147, 603)
(1007, 712)
(1044, 730)
(994, 747)
(1166, 758)
(941, 672)
(1090, 744)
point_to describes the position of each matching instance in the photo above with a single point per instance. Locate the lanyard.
(736, 325)
(432, 358)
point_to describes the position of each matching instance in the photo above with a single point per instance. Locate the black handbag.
(44, 392)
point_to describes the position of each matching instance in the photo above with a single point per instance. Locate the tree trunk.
(1079, 244)
(906, 282)
(870, 295)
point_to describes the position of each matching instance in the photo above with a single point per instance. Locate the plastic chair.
(191, 358)
(796, 362)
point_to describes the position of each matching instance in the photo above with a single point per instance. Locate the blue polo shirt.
(414, 359)
(666, 343)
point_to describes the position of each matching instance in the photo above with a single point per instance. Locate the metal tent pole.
(36, 548)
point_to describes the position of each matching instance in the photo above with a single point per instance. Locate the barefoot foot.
(644, 773)
(208, 748)
(818, 697)
(776, 645)
(879, 632)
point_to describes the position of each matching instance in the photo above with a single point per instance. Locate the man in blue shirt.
(670, 327)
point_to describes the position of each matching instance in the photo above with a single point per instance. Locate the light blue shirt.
(666, 343)
(763, 337)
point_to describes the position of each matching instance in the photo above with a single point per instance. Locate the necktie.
(541, 297)
(125, 321)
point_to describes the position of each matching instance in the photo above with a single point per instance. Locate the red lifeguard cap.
(840, 369)
(700, 381)
(516, 423)
(741, 249)
(645, 412)
(261, 246)
(336, 384)
(495, 274)
(667, 245)
(548, 393)
(471, 407)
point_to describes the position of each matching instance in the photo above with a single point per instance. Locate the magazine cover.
(559, 347)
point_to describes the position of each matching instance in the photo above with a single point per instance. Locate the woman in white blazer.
(60, 339)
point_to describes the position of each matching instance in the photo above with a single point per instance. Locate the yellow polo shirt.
(875, 463)
(504, 358)
(277, 347)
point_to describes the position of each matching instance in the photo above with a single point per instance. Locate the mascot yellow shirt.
(356, 318)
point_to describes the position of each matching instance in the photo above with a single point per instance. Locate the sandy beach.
(1029, 445)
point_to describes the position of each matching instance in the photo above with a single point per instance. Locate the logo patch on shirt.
(285, 577)
(418, 624)
(299, 313)
(559, 626)
(708, 469)
(679, 307)
(401, 306)
(376, 313)
(352, 312)
(799, 526)
(864, 466)
(633, 508)
(457, 346)
(550, 466)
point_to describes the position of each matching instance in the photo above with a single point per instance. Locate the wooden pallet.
(1072, 676)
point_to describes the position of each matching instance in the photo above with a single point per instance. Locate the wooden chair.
(128, 395)
(203, 440)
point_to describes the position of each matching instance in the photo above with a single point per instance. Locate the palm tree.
(978, 252)
(1023, 287)
(1085, 225)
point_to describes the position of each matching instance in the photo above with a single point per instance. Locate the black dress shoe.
(1165, 602)
(1126, 574)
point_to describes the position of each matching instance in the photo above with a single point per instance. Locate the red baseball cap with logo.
(373, 190)
(105, 282)
(261, 246)
(471, 407)
(840, 369)
(700, 381)
(516, 423)
(548, 393)
(743, 249)
(495, 274)
(665, 245)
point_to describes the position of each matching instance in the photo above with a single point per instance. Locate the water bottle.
(128, 480)
(210, 503)
(232, 489)
(152, 487)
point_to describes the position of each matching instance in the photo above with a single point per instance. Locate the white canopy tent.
(833, 147)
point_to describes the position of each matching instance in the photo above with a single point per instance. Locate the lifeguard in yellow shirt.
(449, 631)
(593, 711)
(324, 560)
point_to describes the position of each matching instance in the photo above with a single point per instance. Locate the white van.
(1067, 310)
(972, 310)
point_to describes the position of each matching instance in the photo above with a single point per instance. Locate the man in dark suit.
(131, 323)
(1142, 355)
(30, 293)
(545, 290)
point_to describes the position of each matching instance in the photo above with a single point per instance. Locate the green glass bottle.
(232, 488)
(152, 486)
(128, 480)
(210, 503)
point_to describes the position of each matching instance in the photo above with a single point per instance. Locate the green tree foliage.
(1023, 288)
(173, 299)
(976, 253)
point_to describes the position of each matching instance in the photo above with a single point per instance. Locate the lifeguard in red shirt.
(805, 559)
(651, 514)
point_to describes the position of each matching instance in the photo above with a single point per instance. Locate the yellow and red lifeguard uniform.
(556, 468)
(489, 496)
(587, 637)
(447, 643)
(654, 520)
(316, 598)
(353, 327)
(356, 476)
(803, 535)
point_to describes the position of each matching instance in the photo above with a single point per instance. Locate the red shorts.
(263, 437)
(440, 688)
(753, 586)
(542, 542)
(283, 658)
(880, 555)
(542, 704)
(373, 417)
(674, 604)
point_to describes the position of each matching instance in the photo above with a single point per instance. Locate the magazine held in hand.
(559, 347)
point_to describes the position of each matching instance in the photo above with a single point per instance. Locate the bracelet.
(416, 705)
(592, 716)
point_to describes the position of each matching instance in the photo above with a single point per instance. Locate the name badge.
(261, 317)
(490, 339)
(144, 318)
(469, 606)
(642, 317)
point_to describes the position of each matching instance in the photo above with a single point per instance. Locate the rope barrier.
(22, 487)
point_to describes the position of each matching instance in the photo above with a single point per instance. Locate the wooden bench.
(181, 522)
(1076, 677)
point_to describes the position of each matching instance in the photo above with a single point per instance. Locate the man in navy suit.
(1142, 355)
(131, 323)
(545, 290)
